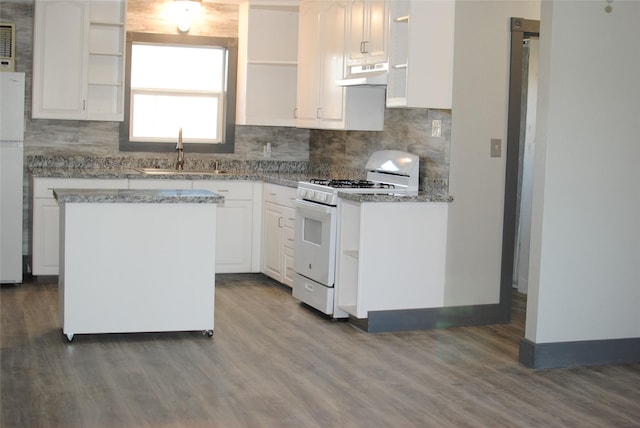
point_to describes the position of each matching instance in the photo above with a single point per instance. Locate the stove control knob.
(310, 194)
(323, 197)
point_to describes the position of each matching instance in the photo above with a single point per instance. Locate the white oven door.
(315, 242)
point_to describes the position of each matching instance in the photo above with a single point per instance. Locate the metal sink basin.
(169, 171)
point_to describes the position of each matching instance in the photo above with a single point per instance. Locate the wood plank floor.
(274, 363)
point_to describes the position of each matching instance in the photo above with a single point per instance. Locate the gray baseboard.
(582, 353)
(430, 318)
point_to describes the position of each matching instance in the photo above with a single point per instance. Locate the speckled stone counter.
(63, 172)
(281, 178)
(186, 196)
(395, 197)
(288, 179)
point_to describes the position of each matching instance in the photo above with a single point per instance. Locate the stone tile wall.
(404, 129)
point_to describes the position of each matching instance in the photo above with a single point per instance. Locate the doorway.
(519, 162)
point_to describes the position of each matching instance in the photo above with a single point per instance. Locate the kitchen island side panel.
(137, 267)
(402, 255)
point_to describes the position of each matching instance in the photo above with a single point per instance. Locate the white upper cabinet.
(78, 59)
(367, 32)
(421, 54)
(267, 63)
(60, 44)
(321, 103)
(309, 62)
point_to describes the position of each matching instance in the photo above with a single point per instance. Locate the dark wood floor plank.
(273, 362)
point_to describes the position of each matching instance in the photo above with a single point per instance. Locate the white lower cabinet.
(279, 219)
(238, 224)
(46, 223)
(379, 268)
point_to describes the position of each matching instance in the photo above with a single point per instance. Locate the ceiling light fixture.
(185, 10)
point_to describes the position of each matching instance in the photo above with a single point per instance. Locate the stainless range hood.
(366, 75)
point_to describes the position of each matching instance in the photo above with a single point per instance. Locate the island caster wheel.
(69, 337)
(208, 333)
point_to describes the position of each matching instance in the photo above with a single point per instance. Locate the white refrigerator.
(11, 164)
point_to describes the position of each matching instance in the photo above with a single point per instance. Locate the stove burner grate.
(351, 184)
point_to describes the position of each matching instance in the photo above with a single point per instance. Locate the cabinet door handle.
(279, 221)
(319, 113)
(364, 47)
(295, 113)
(84, 105)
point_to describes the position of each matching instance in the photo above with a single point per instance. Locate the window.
(178, 82)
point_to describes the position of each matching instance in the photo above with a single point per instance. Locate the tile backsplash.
(404, 129)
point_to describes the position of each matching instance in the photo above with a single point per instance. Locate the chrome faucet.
(180, 149)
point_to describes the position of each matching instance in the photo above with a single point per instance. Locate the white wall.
(479, 113)
(585, 256)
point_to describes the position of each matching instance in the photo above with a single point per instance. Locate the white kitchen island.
(136, 260)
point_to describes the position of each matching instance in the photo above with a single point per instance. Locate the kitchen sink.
(170, 171)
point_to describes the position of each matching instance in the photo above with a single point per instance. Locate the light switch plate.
(496, 147)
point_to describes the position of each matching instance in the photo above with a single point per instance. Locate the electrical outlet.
(496, 147)
(436, 128)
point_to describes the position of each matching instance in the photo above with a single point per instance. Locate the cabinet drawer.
(313, 294)
(236, 190)
(289, 237)
(288, 273)
(281, 195)
(289, 215)
(43, 187)
(159, 184)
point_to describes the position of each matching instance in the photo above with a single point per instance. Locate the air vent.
(7, 47)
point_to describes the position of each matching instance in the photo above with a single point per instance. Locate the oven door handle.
(313, 206)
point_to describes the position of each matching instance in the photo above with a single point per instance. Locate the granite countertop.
(279, 178)
(185, 196)
(395, 197)
(284, 179)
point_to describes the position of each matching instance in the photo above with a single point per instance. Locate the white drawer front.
(280, 195)
(313, 294)
(159, 184)
(289, 217)
(289, 237)
(236, 190)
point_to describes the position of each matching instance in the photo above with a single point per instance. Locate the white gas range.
(388, 172)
